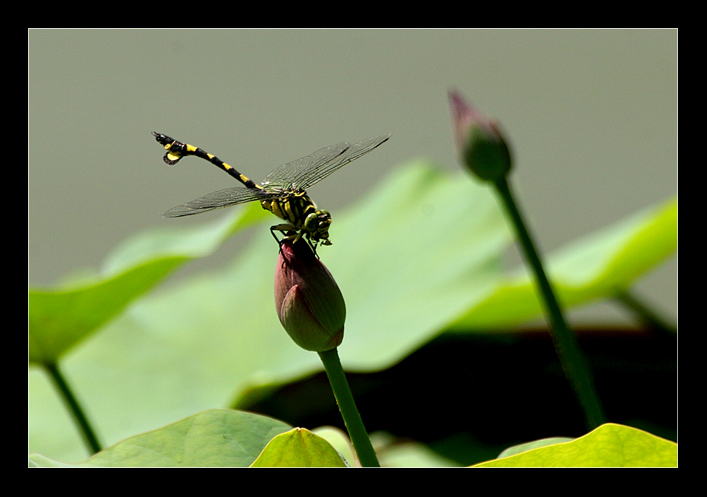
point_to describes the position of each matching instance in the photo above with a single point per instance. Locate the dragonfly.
(283, 192)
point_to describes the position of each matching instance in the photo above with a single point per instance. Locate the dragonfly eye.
(317, 220)
(317, 225)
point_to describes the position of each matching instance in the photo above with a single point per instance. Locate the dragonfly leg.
(288, 231)
(291, 233)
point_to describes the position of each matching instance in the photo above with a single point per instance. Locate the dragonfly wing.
(216, 200)
(307, 171)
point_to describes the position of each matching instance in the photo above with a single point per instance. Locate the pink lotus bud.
(481, 145)
(309, 303)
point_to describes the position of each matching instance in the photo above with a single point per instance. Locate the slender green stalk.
(72, 403)
(568, 351)
(347, 407)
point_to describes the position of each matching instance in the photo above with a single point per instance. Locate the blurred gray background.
(591, 116)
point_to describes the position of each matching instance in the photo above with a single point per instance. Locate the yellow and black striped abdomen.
(176, 150)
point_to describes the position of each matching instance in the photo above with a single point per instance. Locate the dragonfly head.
(317, 226)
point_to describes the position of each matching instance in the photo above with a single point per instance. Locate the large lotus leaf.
(596, 266)
(610, 445)
(60, 317)
(213, 438)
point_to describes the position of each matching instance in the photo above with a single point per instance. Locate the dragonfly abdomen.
(176, 150)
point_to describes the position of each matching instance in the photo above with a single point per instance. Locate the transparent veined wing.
(307, 171)
(219, 199)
